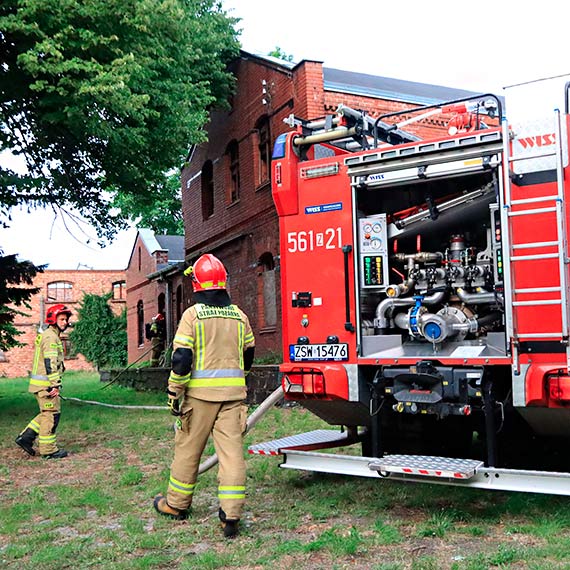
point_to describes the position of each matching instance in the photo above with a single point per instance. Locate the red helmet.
(54, 311)
(208, 273)
(159, 317)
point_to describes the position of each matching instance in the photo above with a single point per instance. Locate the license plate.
(302, 352)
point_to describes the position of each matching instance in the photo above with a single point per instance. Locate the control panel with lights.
(373, 237)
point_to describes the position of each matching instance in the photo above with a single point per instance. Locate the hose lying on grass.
(274, 398)
(114, 405)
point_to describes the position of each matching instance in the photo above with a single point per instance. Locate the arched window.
(140, 323)
(207, 189)
(232, 153)
(267, 291)
(263, 150)
(161, 303)
(60, 291)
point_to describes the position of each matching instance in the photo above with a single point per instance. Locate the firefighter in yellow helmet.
(45, 382)
(212, 353)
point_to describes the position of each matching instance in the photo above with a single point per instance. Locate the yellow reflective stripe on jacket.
(37, 342)
(231, 492)
(184, 340)
(215, 382)
(249, 338)
(200, 346)
(34, 382)
(179, 487)
(177, 379)
(33, 425)
(241, 330)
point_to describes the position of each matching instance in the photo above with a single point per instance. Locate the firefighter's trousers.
(45, 423)
(157, 351)
(226, 421)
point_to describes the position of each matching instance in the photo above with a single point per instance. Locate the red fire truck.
(425, 291)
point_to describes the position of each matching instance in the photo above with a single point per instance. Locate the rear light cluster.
(307, 381)
(559, 387)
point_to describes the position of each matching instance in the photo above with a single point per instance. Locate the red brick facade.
(60, 286)
(146, 296)
(243, 231)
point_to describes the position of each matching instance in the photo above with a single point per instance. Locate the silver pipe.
(478, 298)
(424, 256)
(381, 321)
(401, 320)
(338, 133)
(470, 326)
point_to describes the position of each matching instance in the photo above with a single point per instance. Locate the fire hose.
(274, 398)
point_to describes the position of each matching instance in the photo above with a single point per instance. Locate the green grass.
(94, 508)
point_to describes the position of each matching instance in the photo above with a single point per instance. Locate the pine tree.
(14, 275)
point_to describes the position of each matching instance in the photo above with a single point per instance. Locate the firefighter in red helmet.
(213, 352)
(157, 335)
(45, 382)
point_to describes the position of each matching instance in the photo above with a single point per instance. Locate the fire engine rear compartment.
(435, 289)
(453, 342)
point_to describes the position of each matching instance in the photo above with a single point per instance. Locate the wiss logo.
(537, 141)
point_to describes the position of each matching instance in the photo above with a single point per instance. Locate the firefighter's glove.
(52, 392)
(174, 406)
(173, 403)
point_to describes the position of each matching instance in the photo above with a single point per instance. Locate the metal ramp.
(545, 259)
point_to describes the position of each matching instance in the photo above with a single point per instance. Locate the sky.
(468, 45)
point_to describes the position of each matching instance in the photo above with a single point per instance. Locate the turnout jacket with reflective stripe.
(218, 337)
(47, 368)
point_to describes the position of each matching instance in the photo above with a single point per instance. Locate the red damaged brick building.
(154, 284)
(60, 286)
(226, 190)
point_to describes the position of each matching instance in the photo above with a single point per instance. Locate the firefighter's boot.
(163, 508)
(26, 441)
(59, 454)
(230, 526)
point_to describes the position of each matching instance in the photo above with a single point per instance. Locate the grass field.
(94, 508)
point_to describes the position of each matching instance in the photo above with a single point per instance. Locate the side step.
(317, 439)
(425, 465)
(300, 452)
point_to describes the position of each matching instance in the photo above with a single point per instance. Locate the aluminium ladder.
(553, 204)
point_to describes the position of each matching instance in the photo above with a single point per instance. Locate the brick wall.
(241, 232)
(18, 361)
(141, 289)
